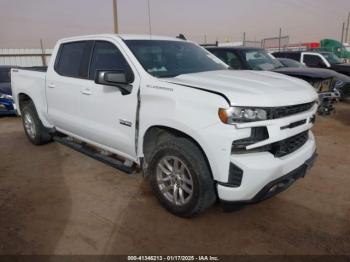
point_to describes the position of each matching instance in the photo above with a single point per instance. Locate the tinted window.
(290, 62)
(229, 58)
(5, 75)
(260, 60)
(313, 60)
(71, 60)
(106, 56)
(172, 58)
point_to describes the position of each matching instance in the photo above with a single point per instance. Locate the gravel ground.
(54, 200)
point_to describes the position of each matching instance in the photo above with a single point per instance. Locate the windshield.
(332, 58)
(5, 76)
(172, 58)
(260, 60)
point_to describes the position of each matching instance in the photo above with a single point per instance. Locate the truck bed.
(30, 81)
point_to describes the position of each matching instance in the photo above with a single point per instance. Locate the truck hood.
(342, 68)
(313, 73)
(251, 88)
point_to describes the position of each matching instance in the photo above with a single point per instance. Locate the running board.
(92, 152)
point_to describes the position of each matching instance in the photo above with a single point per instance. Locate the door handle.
(51, 85)
(86, 92)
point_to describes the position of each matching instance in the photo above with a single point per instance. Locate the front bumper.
(262, 171)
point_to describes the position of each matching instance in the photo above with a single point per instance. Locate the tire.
(190, 177)
(34, 129)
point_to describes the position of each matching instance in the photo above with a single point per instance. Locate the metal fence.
(275, 42)
(248, 43)
(25, 57)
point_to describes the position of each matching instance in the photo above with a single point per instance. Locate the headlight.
(242, 114)
(5, 96)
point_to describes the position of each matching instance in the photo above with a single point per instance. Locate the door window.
(229, 58)
(313, 60)
(72, 59)
(106, 56)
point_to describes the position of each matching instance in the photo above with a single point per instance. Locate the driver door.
(109, 116)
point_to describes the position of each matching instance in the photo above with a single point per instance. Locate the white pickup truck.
(199, 131)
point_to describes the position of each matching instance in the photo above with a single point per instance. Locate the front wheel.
(180, 177)
(34, 129)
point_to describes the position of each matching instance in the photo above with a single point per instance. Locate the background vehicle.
(6, 102)
(197, 129)
(317, 60)
(334, 46)
(287, 62)
(247, 58)
(341, 86)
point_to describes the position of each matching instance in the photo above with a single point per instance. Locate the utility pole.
(205, 38)
(149, 18)
(342, 34)
(115, 16)
(279, 40)
(43, 59)
(243, 38)
(347, 29)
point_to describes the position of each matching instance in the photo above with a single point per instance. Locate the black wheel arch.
(155, 134)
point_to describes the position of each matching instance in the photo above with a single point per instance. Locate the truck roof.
(122, 36)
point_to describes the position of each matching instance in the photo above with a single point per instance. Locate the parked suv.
(250, 58)
(342, 83)
(198, 130)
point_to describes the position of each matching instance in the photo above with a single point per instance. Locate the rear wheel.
(34, 129)
(180, 177)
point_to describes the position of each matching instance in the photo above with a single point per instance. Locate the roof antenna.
(181, 36)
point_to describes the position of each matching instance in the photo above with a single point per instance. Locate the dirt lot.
(54, 200)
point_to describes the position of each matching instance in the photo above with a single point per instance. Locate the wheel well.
(155, 134)
(22, 100)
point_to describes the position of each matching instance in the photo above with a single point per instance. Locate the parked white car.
(198, 130)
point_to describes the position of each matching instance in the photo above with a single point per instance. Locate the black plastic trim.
(287, 179)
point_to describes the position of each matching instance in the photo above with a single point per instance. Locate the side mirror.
(116, 78)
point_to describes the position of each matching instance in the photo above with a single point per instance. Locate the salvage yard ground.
(54, 200)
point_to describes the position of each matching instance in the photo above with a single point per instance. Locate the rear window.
(71, 60)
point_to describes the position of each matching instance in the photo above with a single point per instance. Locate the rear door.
(65, 83)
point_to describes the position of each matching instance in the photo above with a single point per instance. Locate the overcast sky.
(24, 22)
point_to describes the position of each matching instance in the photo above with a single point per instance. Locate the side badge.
(125, 122)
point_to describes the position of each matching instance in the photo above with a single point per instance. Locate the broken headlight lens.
(242, 114)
